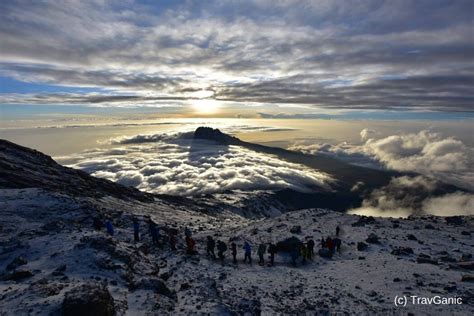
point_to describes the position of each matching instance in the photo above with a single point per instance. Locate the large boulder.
(426, 259)
(465, 265)
(467, 278)
(18, 261)
(364, 220)
(157, 285)
(295, 229)
(17, 275)
(372, 239)
(289, 245)
(454, 220)
(88, 299)
(402, 251)
(361, 246)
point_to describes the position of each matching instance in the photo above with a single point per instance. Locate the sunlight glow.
(205, 106)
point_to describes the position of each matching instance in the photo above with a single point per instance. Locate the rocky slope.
(21, 167)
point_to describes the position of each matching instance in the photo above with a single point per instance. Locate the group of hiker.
(221, 246)
(297, 249)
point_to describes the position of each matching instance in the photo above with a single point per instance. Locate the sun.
(205, 106)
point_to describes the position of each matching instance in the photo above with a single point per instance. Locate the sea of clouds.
(177, 164)
(431, 156)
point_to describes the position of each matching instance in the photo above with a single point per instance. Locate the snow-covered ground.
(50, 235)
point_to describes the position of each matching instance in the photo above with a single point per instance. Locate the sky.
(101, 86)
(256, 58)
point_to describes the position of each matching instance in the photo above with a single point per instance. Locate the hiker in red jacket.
(190, 244)
(330, 244)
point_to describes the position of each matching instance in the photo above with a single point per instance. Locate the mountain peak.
(214, 134)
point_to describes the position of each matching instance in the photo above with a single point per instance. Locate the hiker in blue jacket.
(136, 230)
(247, 252)
(110, 227)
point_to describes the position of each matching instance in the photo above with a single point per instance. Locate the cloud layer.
(364, 54)
(179, 165)
(428, 153)
(405, 196)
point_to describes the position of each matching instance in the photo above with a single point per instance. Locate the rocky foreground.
(53, 261)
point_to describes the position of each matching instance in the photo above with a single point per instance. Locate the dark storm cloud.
(453, 93)
(362, 54)
(87, 78)
(91, 98)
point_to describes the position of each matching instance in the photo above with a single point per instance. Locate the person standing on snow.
(233, 248)
(304, 253)
(190, 244)
(97, 223)
(110, 227)
(261, 252)
(338, 229)
(337, 244)
(310, 248)
(272, 251)
(136, 230)
(247, 252)
(330, 244)
(172, 239)
(211, 244)
(187, 232)
(221, 248)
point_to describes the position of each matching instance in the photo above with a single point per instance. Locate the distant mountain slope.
(22, 167)
(342, 196)
(346, 175)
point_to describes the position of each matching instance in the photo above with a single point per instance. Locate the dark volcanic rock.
(295, 229)
(364, 220)
(209, 133)
(426, 259)
(372, 239)
(18, 261)
(184, 286)
(454, 220)
(402, 251)
(447, 259)
(18, 275)
(249, 306)
(289, 245)
(53, 227)
(467, 278)
(88, 299)
(157, 285)
(361, 246)
(465, 265)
